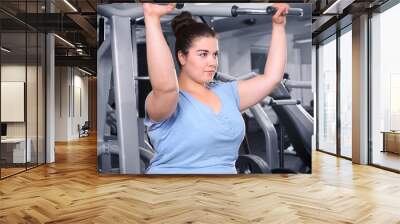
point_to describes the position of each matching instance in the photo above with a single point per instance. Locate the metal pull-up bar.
(126, 10)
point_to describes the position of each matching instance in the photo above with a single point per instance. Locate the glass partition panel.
(385, 89)
(22, 64)
(327, 96)
(14, 153)
(346, 93)
(31, 97)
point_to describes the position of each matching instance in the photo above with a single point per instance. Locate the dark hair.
(286, 75)
(186, 29)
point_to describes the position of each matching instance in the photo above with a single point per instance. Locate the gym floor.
(71, 191)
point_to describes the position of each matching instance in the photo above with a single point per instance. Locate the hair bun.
(182, 20)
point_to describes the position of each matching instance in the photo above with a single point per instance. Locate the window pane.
(327, 96)
(385, 88)
(346, 94)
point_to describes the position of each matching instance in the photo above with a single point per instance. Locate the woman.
(196, 127)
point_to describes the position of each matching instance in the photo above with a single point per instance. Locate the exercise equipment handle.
(270, 101)
(142, 78)
(284, 102)
(297, 84)
(291, 12)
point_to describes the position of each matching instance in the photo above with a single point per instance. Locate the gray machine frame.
(117, 60)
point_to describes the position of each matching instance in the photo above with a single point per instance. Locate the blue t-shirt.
(196, 140)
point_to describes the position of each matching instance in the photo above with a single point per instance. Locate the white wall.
(235, 60)
(70, 83)
(14, 72)
(80, 83)
(61, 103)
(12, 101)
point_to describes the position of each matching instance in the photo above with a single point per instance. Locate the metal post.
(126, 113)
(104, 66)
(50, 98)
(270, 135)
(140, 123)
(360, 90)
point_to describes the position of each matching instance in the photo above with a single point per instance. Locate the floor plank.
(71, 191)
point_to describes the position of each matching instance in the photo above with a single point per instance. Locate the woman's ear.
(181, 58)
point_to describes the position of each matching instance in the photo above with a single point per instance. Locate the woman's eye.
(203, 54)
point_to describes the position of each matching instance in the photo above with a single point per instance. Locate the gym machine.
(117, 70)
(292, 117)
(298, 123)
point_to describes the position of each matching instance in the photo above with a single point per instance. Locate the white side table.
(19, 149)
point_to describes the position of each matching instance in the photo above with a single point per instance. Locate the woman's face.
(201, 61)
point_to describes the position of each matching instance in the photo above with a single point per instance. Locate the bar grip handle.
(291, 12)
(283, 102)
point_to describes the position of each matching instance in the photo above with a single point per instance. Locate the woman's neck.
(188, 85)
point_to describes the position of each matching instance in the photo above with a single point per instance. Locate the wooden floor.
(10, 171)
(71, 191)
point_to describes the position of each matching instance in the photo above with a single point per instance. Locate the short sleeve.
(157, 125)
(235, 92)
(150, 124)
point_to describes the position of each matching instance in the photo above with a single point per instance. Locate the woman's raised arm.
(162, 100)
(254, 90)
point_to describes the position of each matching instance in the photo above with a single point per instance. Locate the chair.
(84, 130)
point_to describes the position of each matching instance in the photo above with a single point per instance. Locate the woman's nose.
(213, 61)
